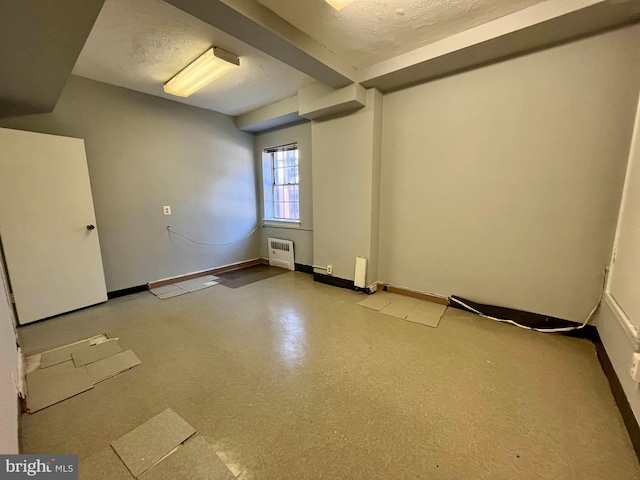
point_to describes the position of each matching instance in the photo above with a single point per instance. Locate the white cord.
(544, 330)
(319, 267)
(212, 244)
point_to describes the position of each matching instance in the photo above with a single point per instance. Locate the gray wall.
(346, 154)
(502, 184)
(8, 375)
(145, 152)
(302, 236)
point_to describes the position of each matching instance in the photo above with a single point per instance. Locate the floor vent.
(281, 253)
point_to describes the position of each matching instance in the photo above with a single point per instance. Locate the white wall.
(618, 318)
(502, 184)
(302, 234)
(345, 188)
(625, 269)
(8, 375)
(144, 152)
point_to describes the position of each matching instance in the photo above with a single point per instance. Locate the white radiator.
(281, 253)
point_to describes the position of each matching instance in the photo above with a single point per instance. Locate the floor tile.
(104, 465)
(113, 365)
(400, 306)
(192, 285)
(195, 460)
(59, 355)
(376, 301)
(93, 353)
(290, 379)
(173, 293)
(427, 313)
(145, 445)
(208, 278)
(162, 290)
(54, 384)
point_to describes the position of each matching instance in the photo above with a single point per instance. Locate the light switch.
(167, 210)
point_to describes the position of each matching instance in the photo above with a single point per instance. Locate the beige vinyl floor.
(291, 379)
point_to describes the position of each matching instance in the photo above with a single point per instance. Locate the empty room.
(337, 239)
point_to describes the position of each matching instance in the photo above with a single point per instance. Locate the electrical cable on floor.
(544, 330)
(213, 244)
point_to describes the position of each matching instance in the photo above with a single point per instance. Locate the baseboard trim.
(334, 281)
(304, 268)
(619, 396)
(211, 271)
(126, 291)
(625, 322)
(429, 297)
(526, 319)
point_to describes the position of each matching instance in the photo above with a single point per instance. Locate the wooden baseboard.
(211, 271)
(429, 297)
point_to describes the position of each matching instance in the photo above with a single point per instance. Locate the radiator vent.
(280, 245)
(281, 253)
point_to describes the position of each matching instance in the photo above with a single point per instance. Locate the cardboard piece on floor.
(194, 460)
(54, 384)
(104, 465)
(145, 445)
(173, 293)
(192, 285)
(93, 353)
(376, 301)
(59, 355)
(427, 313)
(111, 366)
(400, 306)
(162, 290)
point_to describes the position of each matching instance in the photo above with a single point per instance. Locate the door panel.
(46, 205)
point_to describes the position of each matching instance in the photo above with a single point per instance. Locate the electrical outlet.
(167, 210)
(635, 367)
(329, 269)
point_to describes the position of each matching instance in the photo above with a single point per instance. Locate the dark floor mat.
(245, 276)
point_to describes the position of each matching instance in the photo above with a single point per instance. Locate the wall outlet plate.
(329, 269)
(167, 210)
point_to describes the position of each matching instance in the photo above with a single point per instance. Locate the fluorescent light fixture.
(339, 4)
(212, 64)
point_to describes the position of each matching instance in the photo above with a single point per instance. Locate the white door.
(47, 225)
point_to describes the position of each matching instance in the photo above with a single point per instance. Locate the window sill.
(276, 222)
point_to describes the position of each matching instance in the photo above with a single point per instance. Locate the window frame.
(270, 183)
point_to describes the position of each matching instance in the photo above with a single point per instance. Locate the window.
(281, 183)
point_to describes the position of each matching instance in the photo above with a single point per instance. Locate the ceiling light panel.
(339, 4)
(212, 64)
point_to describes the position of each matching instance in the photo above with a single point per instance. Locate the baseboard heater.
(281, 253)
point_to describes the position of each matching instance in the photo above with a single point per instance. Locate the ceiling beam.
(284, 112)
(256, 25)
(39, 45)
(542, 25)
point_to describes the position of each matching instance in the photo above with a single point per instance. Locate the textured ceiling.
(140, 44)
(370, 31)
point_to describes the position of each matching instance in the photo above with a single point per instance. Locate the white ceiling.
(140, 44)
(370, 31)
